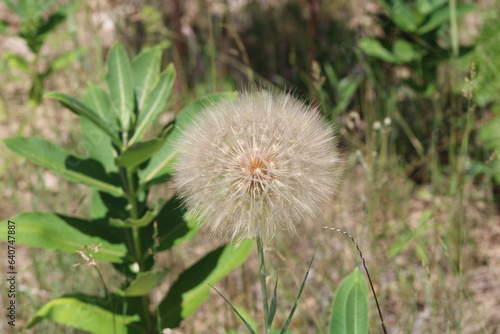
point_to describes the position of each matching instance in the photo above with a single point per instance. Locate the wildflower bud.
(249, 166)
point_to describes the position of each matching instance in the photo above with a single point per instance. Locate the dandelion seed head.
(250, 166)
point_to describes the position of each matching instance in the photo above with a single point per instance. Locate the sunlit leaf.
(68, 234)
(139, 152)
(190, 289)
(58, 160)
(96, 141)
(155, 103)
(145, 70)
(82, 110)
(120, 84)
(374, 48)
(77, 313)
(145, 282)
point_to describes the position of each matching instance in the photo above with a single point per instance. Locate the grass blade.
(250, 329)
(274, 304)
(285, 328)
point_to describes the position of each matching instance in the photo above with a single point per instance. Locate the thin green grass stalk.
(433, 149)
(262, 266)
(295, 305)
(250, 329)
(462, 180)
(454, 28)
(382, 323)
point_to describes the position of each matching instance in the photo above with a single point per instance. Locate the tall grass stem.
(367, 273)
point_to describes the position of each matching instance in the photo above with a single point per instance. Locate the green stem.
(262, 266)
(453, 27)
(134, 214)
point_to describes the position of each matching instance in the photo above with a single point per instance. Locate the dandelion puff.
(250, 166)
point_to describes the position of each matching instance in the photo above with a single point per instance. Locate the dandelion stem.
(262, 266)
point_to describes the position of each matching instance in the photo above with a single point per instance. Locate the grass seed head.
(250, 166)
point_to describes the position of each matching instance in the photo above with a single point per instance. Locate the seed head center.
(257, 167)
(254, 171)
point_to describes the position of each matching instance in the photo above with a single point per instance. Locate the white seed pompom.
(251, 165)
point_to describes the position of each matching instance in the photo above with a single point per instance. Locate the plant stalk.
(262, 266)
(134, 214)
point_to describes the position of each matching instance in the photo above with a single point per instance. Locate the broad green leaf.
(279, 331)
(145, 282)
(96, 141)
(56, 159)
(425, 7)
(190, 289)
(98, 100)
(77, 313)
(68, 234)
(442, 16)
(37, 9)
(97, 207)
(82, 110)
(98, 145)
(145, 69)
(350, 307)
(374, 48)
(404, 52)
(154, 103)
(17, 9)
(139, 152)
(53, 21)
(174, 226)
(120, 83)
(404, 16)
(160, 164)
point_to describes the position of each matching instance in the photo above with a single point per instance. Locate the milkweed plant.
(246, 166)
(127, 227)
